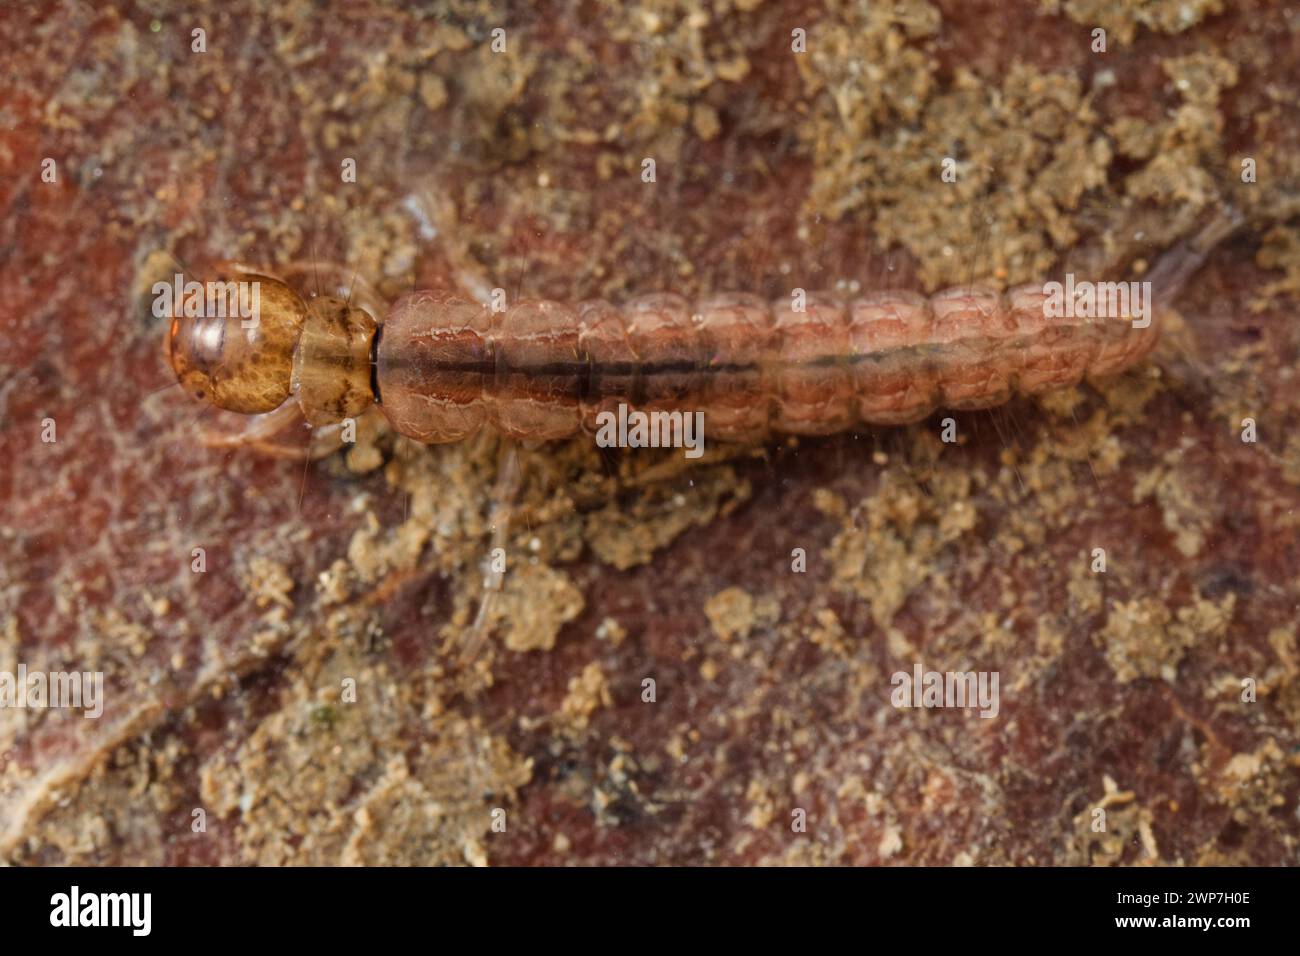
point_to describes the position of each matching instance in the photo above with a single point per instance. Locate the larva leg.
(440, 219)
(504, 495)
(1181, 261)
(332, 278)
(274, 434)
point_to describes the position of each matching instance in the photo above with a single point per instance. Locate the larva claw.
(279, 434)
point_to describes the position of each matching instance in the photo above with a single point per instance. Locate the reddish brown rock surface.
(1119, 691)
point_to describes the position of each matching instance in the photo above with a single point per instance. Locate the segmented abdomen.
(447, 366)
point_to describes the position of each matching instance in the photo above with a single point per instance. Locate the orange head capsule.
(247, 342)
(232, 341)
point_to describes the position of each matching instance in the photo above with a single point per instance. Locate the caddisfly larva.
(441, 367)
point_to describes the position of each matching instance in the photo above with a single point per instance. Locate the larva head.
(232, 341)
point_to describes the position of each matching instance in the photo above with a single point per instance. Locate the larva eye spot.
(232, 344)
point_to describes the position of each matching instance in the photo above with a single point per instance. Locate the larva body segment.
(431, 375)
(534, 384)
(892, 378)
(446, 367)
(813, 383)
(669, 369)
(737, 333)
(613, 364)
